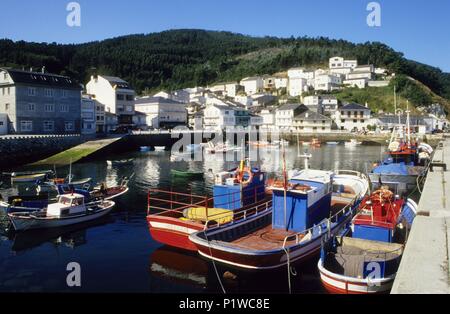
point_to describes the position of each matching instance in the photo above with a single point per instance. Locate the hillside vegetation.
(186, 58)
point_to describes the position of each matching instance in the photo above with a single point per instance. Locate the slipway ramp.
(77, 153)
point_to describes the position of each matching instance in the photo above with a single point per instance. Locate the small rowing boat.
(119, 162)
(27, 178)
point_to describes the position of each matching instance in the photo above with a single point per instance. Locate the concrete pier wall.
(425, 263)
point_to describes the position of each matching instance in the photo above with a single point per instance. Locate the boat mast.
(284, 186)
(408, 124)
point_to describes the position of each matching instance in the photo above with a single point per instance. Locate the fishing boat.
(405, 163)
(310, 205)
(316, 142)
(160, 148)
(51, 185)
(186, 174)
(70, 209)
(119, 162)
(237, 195)
(144, 149)
(29, 177)
(367, 262)
(353, 143)
(16, 203)
(332, 143)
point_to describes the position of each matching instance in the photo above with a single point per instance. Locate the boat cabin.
(236, 189)
(378, 219)
(307, 202)
(68, 204)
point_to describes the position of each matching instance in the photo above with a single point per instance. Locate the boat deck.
(267, 238)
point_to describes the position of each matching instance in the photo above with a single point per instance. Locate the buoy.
(229, 275)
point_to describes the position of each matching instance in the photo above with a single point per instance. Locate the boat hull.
(21, 223)
(263, 260)
(337, 284)
(172, 231)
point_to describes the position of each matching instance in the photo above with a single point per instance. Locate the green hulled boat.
(186, 174)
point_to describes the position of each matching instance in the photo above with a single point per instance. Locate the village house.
(339, 65)
(140, 120)
(353, 117)
(327, 82)
(39, 102)
(252, 85)
(111, 122)
(162, 112)
(99, 118)
(219, 116)
(88, 115)
(115, 94)
(268, 119)
(284, 115)
(310, 121)
(281, 81)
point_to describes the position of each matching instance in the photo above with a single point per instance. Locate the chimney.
(43, 69)
(31, 69)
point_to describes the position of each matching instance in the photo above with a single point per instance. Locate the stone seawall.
(20, 150)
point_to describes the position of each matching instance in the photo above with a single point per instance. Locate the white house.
(88, 115)
(116, 94)
(244, 100)
(268, 119)
(362, 72)
(284, 115)
(310, 121)
(297, 86)
(252, 85)
(314, 103)
(353, 117)
(281, 81)
(329, 104)
(327, 82)
(219, 116)
(162, 112)
(339, 65)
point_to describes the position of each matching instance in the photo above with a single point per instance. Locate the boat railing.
(171, 201)
(241, 214)
(320, 230)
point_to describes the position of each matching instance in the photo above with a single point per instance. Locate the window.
(8, 90)
(5, 76)
(31, 91)
(1, 123)
(49, 108)
(129, 108)
(65, 93)
(49, 126)
(48, 92)
(6, 107)
(31, 107)
(26, 126)
(120, 97)
(69, 126)
(64, 108)
(130, 97)
(355, 121)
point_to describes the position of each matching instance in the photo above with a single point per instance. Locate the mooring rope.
(213, 261)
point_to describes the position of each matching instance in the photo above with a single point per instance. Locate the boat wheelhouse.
(237, 195)
(313, 204)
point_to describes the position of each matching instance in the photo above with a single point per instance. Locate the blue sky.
(419, 29)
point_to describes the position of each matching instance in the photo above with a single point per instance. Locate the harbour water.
(117, 253)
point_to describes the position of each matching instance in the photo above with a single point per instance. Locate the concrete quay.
(425, 264)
